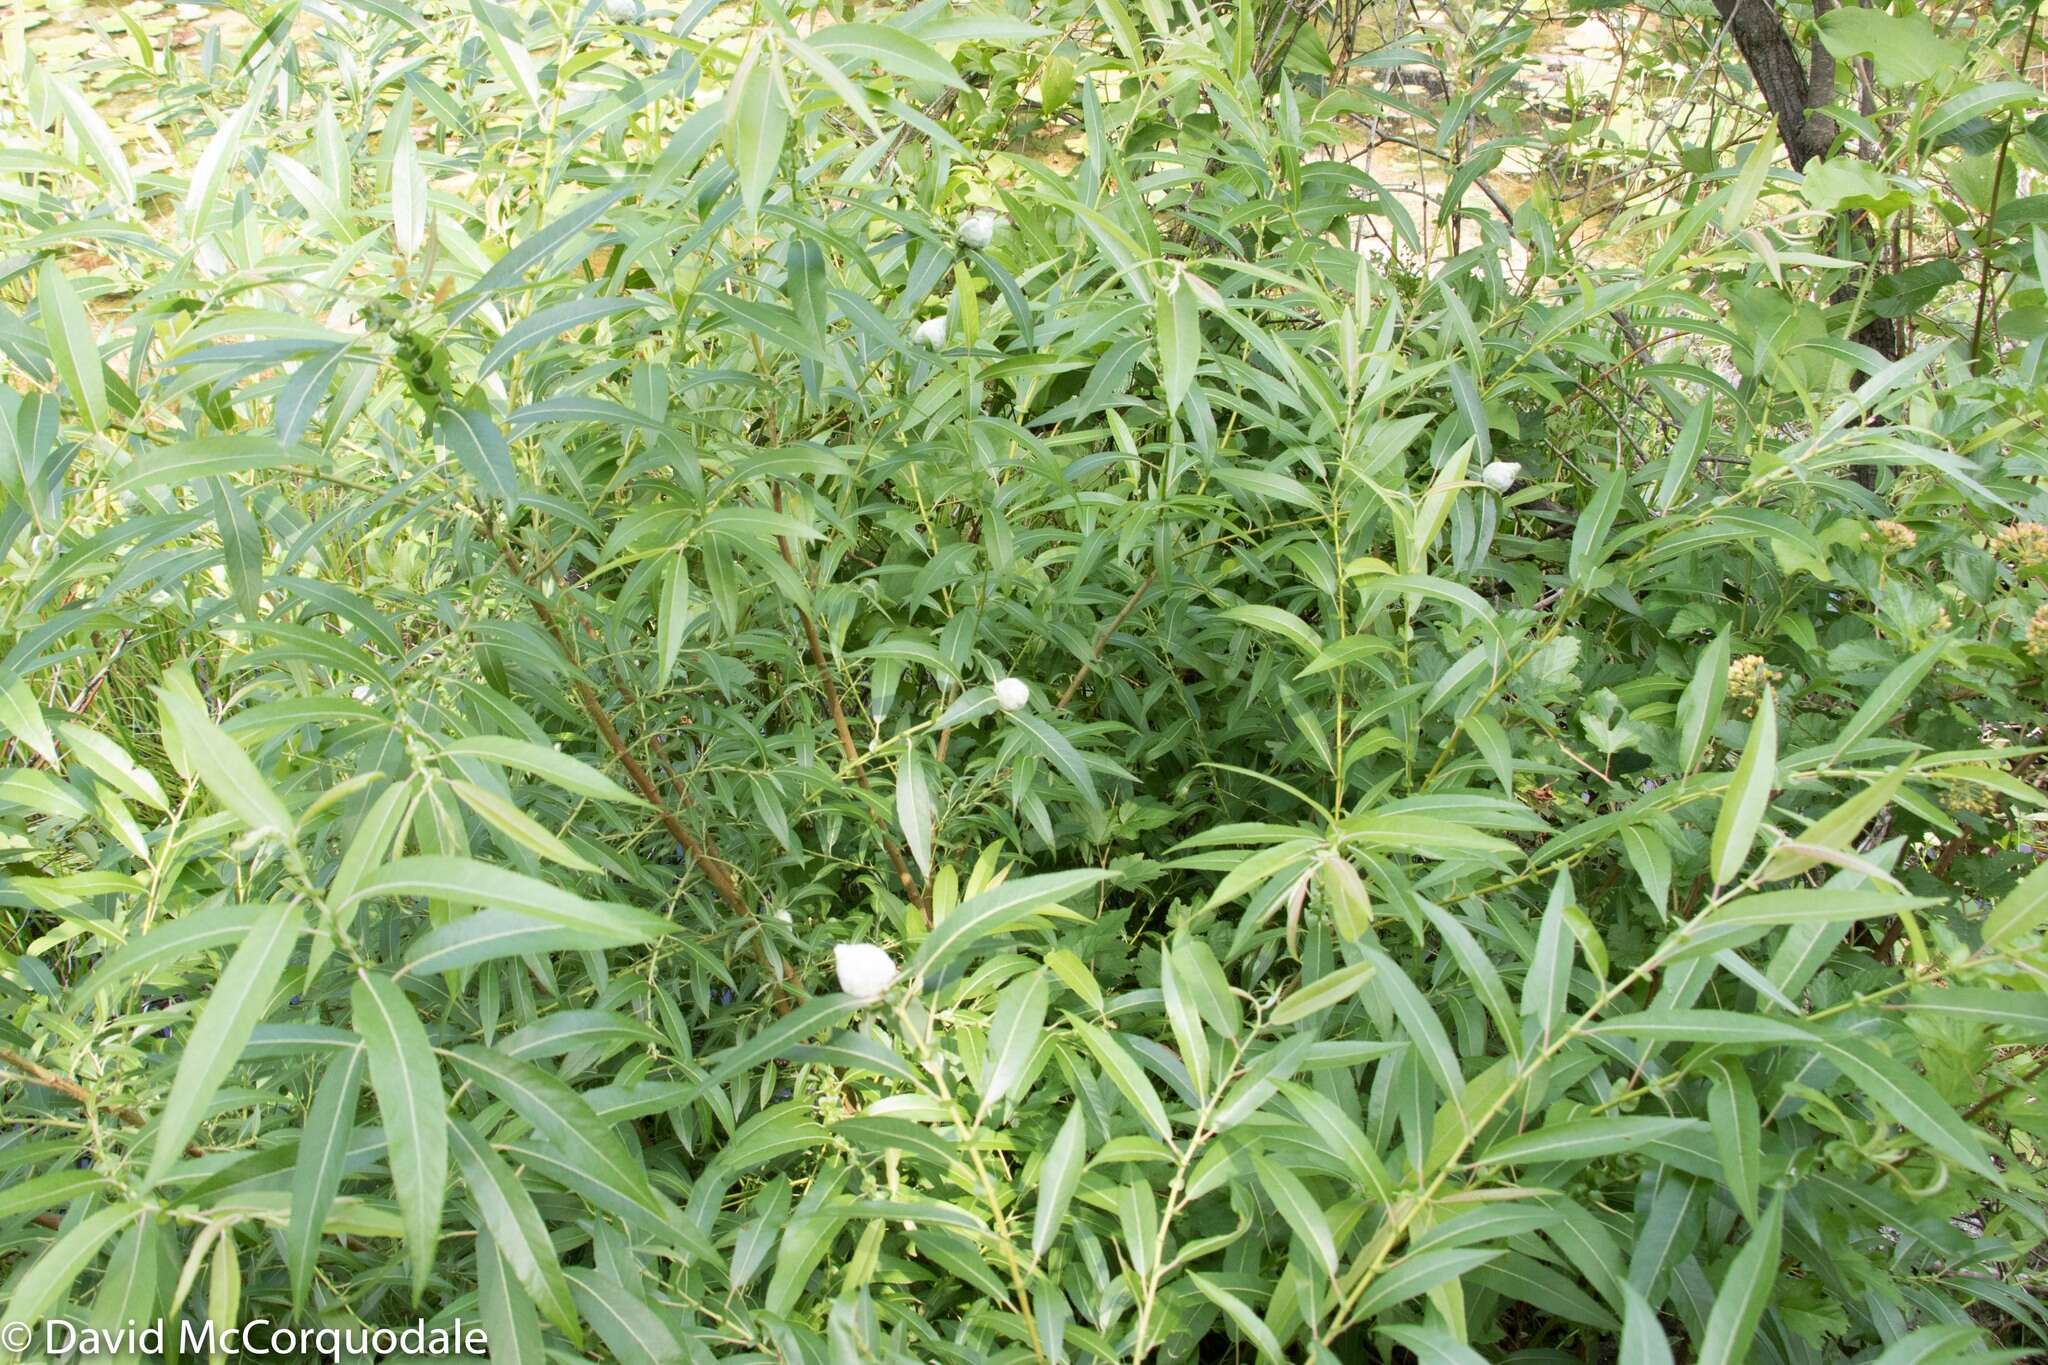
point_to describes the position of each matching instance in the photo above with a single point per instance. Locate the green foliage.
(1470, 797)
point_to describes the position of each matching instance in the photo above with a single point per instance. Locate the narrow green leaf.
(2021, 912)
(21, 715)
(470, 431)
(1906, 1098)
(215, 1044)
(317, 1175)
(755, 125)
(1888, 696)
(1812, 907)
(93, 131)
(998, 908)
(891, 49)
(570, 774)
(519, 827)
(1546, 989)
(1749, 793)
(223, 767)
(1058, 1176)
(1745, 1289)
(407, 1083)
(1013, 1035)
(1127, 1076)
(112, 764)
(1418, 1274)
(509, 1318)
(1836, 830)
(1241, 1316)
(1685, 452)
(466, 881)
(1642, 1336)
(47, 1191)
(914, 810)
(1061, 751)
(73, 348)
(672, 619)
(218, 927)
(1581, 1139)
(1975, 101)
(632, 1332)
(1321, 994)
(1277, 621)
(209, 457)
(1422, 1026)
(408, 195)
(1596, 519)
(1732, 1113)
(1300, 1209)
(1705, 1026)
(1699, 709)
(516, 1225)
(563, 1117)
(1178, 333)
(43, 1285)
(491, 934)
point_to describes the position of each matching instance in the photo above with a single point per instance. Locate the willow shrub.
(1422, 807)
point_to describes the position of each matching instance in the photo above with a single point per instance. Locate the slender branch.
(65, 1086)
(1399, 1223)
(702, 850)
(37, 1074)
(1991, 218)
(1102, 641)
(830, 686)
(92, 689)
(1995, 1096)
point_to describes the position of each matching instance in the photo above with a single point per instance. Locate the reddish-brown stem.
(78, 1094)
(830, 687)
(702, 851)
(1102, 641)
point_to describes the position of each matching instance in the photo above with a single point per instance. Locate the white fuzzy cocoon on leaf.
(978, 229)
(931, 332)
(1500, 476)
(1012, 694)
(865, 971)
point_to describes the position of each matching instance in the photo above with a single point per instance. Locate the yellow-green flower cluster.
(1748, 675)
(1896, 535)
(2037, 632)
(2023, 542)
(1967, 798)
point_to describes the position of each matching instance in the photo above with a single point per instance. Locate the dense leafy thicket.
(1447, 775)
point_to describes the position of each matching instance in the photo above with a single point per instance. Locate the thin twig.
(92, 689)
(830, 686)
(1102, 642)
(1991, 218)
(702, 850)
(37, 1074)
(1981, 1105)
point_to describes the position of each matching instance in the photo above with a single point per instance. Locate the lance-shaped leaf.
(516, 1225)
(323, 1147)
(408, 1088)
(215, 1044)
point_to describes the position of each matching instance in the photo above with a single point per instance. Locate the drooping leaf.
(407, 1083)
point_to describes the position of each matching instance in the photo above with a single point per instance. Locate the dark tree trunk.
(1797, 89)
(1793, 87)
